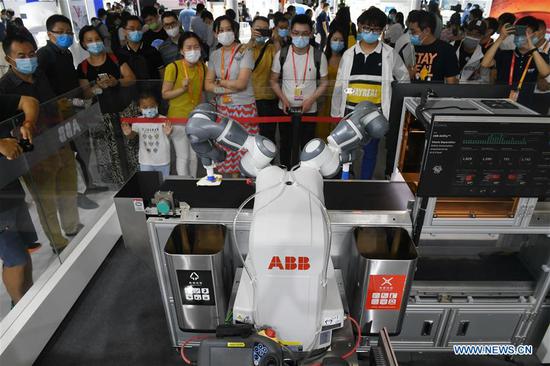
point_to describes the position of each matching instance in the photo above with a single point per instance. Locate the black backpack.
(317, 55)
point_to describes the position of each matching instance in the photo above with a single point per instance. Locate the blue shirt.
(185, 18)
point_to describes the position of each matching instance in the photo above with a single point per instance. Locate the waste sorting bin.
(385, 270)
(200, 282)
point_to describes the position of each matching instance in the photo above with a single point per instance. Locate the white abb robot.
(289, 281)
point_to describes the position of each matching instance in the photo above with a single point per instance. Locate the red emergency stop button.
(270, 333)
(512, 177)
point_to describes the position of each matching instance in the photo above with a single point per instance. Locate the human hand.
(9, 147)
(286, 105)
(126, 129)
(307, 104)
(506, 30)
(167, 128)
(26, 130)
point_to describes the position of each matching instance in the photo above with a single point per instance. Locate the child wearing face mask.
(154, 145)
(183, 88)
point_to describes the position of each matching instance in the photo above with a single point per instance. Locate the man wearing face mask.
(281, 32)
(145, 61)
(469, 52)
(521, 67)
(169, 48)
(155, 34)
(365, 74)
(541, 99)
(436, 60)
(503, 19)
(56, 61)
(299, 79)
(263, 52)
(53, 179)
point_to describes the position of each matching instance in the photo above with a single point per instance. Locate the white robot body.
(288, 251)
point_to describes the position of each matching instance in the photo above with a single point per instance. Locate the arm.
(489, 58)
(451, 80)
(30, 108)
(540, 62)
(86, 88)
(274, 82)
(240, 84)
(168, 90)
(338, 92)
(127, 75)
(319, 92)
(210, 82)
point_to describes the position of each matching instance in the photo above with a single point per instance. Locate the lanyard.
(189, 87)
(294, 67)
(512, 67)
(231, 58)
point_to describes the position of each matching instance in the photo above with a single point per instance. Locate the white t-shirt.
(154, 146)
(307, 85)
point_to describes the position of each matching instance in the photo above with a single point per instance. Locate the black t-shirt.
(108, 100)
(58, 65)
(12, 194)
(435, 62)
(149, 37)
(321, 18)
(503, 63)
(145, 62)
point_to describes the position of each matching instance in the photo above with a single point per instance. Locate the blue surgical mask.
(519, 40)
(26, 66)
(369, 37)
(282, 32)
(337, 46)
(261, 39)
(300, 42)
(95, 48)
(415, 40)
(150, 112)
(135, 36)
(64, 41)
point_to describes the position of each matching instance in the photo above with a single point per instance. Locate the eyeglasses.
(300, 34)
(367, 29)
(59, 33)
(171, 25)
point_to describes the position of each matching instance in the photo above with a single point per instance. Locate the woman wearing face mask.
(101, 74)
(229, 78)
(336, 46)
(183, 88)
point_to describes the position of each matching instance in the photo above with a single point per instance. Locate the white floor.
(42, 258)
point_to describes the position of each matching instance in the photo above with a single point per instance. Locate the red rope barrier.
(253, 120)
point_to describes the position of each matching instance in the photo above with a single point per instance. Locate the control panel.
(481, 156)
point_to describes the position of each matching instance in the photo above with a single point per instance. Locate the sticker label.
(196, 287)
(138, 205)
(385, 292)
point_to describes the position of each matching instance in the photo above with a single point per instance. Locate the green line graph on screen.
(511, 139)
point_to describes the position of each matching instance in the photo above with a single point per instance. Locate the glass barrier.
(88, 142)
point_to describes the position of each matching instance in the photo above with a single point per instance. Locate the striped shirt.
(365, 81)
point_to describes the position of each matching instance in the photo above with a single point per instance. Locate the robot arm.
(366, 122)
(204, 132)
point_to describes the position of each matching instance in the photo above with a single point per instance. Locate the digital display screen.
(486, 158)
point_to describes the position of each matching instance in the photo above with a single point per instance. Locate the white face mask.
(226, 38)
(173, 32)
(192, 56)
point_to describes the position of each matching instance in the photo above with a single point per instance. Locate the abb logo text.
(290, 263)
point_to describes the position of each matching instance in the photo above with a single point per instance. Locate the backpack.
(317, 55)
(86, 65)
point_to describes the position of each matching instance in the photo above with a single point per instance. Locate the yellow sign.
(236, 345)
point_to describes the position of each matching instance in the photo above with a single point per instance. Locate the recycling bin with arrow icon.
(195, 260)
